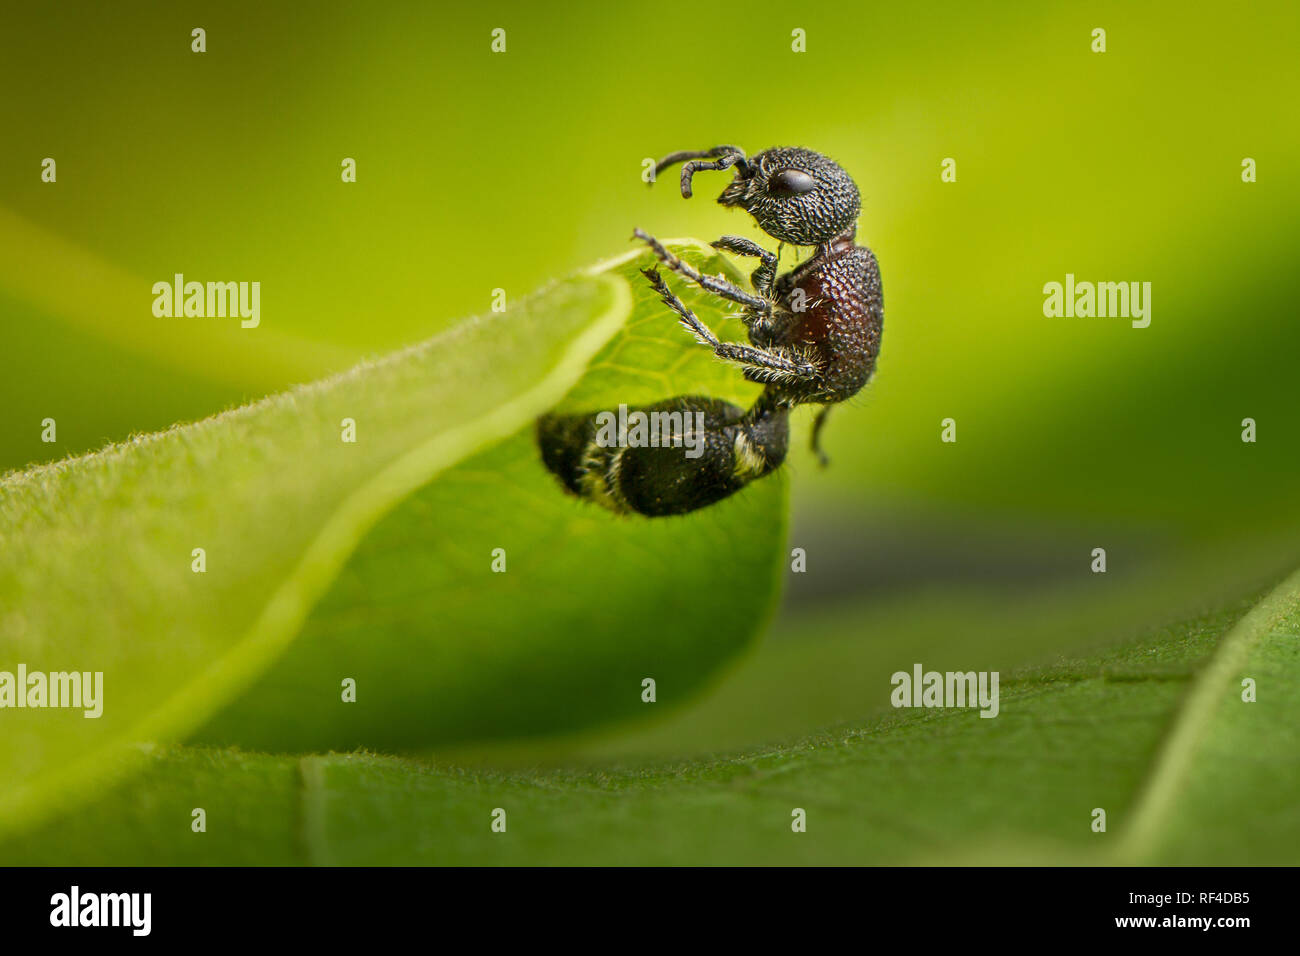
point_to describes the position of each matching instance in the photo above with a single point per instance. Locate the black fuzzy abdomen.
(731, 449)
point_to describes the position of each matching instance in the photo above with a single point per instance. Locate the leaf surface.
(371, 560)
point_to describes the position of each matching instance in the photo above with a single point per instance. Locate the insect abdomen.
(720, 450)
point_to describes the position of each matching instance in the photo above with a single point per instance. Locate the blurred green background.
(478, 171)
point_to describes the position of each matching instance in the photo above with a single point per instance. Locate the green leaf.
(327, 560)
(1228, 779)
(591, 604)
(913, 787)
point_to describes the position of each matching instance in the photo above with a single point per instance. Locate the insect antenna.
(723, 157)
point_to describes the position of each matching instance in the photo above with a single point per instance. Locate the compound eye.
(790, 182)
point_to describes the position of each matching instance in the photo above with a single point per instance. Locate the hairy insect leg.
(766, 365)
(762, 277)
(819, 422)
(719, 287)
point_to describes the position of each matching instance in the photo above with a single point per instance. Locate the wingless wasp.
(814, 337)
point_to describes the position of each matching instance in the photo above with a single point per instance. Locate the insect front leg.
(762, 277)
(772, 365)
(719, 287)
